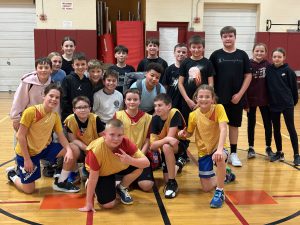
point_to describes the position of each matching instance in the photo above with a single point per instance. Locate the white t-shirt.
(147, 99)
(106, 105)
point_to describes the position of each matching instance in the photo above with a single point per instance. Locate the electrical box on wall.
(196, 19)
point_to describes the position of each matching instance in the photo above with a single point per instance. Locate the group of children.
(196, 95)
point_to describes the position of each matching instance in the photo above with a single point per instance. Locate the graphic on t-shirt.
(117, 104)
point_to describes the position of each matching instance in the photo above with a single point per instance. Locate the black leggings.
(266, 116)
(288, 115)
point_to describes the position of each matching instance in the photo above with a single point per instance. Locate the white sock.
(219, 189)
(14, 178)
(63, 175)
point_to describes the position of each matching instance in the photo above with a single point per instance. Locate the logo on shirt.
(117, 104)
(283, 74)
(79, 88)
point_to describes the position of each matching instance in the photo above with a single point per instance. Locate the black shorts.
(106, 186)
(234, 113)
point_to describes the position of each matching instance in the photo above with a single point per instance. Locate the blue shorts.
(49, 154)
(206, 165)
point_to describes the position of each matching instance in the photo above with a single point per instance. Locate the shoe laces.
(125, 192)
(218, 194)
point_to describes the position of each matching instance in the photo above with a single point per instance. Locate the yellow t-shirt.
(207, 128)
(101, 158)
(89, 134)
(40, 126)
(136, 132)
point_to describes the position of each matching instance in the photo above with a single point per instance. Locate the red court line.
(236, 212)
(286, 196)
(18, 202)
(89, 218)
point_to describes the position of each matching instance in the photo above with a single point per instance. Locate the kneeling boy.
(107, 156)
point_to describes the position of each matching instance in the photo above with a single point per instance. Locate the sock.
(13, 178)
(63, 175)
(121, 186)
(251, 147)
(233, 148)
(219, 189)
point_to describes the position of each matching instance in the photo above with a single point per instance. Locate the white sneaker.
(234, 160)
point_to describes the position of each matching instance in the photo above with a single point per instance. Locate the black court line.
(284, 219)
(289, 164)
(161, 206)
(18, 218)
(2, 164)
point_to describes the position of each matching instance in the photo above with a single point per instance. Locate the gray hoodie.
(30, 92)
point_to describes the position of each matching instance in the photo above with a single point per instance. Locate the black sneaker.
(278, 156)
(65, 186)
(251, 153)
(11, 172)
(180, 163)
(269, 152)
(171, 189)
(49, 169)
(296, 160)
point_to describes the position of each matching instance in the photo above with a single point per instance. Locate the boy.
(108, 100)
(75, 84)
(152, 48)
(95, 70)
(121, 54)
(83, 127)
(34, 143)
(164, 128)
(194, 71)
(136, 128)
(170, 79)
(149, 87)
(107, 156)
(232, 79)
(31, 89)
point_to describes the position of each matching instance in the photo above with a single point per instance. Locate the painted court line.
(3, 119)
(18, 202)
(18, 218)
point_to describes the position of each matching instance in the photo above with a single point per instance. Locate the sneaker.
(171, 189)
(251, 153)
(65, 186)
(278, 156)
(180, 163)
(269, 152)
(124, 195)
(11, 172)
(230, 177)
(49, 169)
(234, 160)
(57, 172)
(296, 160)
(84, 174)
(218, 199)
(74, 177)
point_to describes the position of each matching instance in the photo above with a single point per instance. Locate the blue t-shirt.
(147, 98)
(58, 76)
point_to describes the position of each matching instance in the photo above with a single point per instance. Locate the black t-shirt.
(83, 126)
(206, 69)
(122, 71)
(157, 123)
(170, 80)
(67, 66)
(144, 63)
(230, 70)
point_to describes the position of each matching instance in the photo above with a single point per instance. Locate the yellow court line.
(286, 136)
(3, 119)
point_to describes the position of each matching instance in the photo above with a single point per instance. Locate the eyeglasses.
(82, 107)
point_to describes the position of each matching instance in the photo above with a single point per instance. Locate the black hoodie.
(282, 87)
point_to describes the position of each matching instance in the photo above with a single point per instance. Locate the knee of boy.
(146, 185)
(109, 205)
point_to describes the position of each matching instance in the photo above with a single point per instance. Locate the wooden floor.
(264, 192)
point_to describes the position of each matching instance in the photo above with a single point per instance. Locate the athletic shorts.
(49, 154)
(206, 165)
(234, 113)
(106, 186)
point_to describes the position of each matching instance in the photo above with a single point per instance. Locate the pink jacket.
(30, 92)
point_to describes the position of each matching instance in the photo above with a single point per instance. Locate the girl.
(210, 122)
(57, 74)
(257, 97)
(68, 46)
(282, 88)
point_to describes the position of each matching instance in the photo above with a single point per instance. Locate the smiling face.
(68, 48)
(110, 83)
(80, 66)
(152, 50)
(56, 62)
(132, 101)
(51, 99)
(43, 72)
(162, 109)
(95, 75)
(121, 57)
(197, 50)
(205, 100)
(152, 78)
(113, 136)
(259, 53)
(180, 54)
